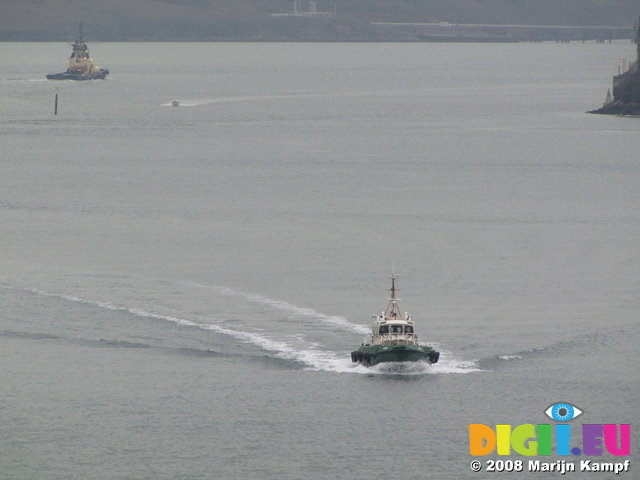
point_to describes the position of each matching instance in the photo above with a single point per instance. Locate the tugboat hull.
(99, 75)
(372, 355)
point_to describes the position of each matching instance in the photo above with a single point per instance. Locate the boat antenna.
(392, 308)
(80, 32)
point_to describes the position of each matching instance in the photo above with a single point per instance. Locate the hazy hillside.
(124, 20)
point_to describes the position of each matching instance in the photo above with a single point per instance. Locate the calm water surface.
(181, 286)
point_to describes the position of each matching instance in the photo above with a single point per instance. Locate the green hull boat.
(393, 339)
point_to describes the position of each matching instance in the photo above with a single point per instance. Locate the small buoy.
(175, 103)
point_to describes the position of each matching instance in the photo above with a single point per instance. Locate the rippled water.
(181, 286)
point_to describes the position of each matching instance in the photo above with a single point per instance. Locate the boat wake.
(584, 341)
(24, 79)
(198, 102)
(209, 101)
(333, 320)
(311, 355)
(449, 365)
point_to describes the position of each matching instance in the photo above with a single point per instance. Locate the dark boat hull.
(99, 75)
(373, 354)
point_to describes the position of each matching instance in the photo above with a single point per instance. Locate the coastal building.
(626, 86)
(298, 10)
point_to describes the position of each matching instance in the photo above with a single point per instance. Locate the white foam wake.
(24, 80)
(509, 357)
(312, 357)
(335, 320)
(251, 98)
(208, 101)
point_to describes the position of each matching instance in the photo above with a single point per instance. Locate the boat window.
(396, 328)
(408, 329)
(384, 330)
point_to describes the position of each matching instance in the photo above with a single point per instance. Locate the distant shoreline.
(344, 31)
(257, 40)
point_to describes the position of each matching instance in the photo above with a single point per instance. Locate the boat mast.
(80, 49)
(392, 308)
(80, 61)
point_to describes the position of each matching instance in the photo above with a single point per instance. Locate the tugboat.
(81, 66)
(393, 338)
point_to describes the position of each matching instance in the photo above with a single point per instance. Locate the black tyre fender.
(434, 357)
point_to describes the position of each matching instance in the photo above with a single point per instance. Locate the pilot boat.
(393, 338)
(81, 66)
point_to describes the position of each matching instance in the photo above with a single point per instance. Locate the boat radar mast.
(80, 49)
(393, 311)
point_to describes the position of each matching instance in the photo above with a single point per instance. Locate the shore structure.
(626, 87)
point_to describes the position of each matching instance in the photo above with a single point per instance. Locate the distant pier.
(479, 32)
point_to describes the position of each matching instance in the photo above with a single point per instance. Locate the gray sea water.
(181, 287)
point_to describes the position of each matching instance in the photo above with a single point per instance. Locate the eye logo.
(562, 412)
